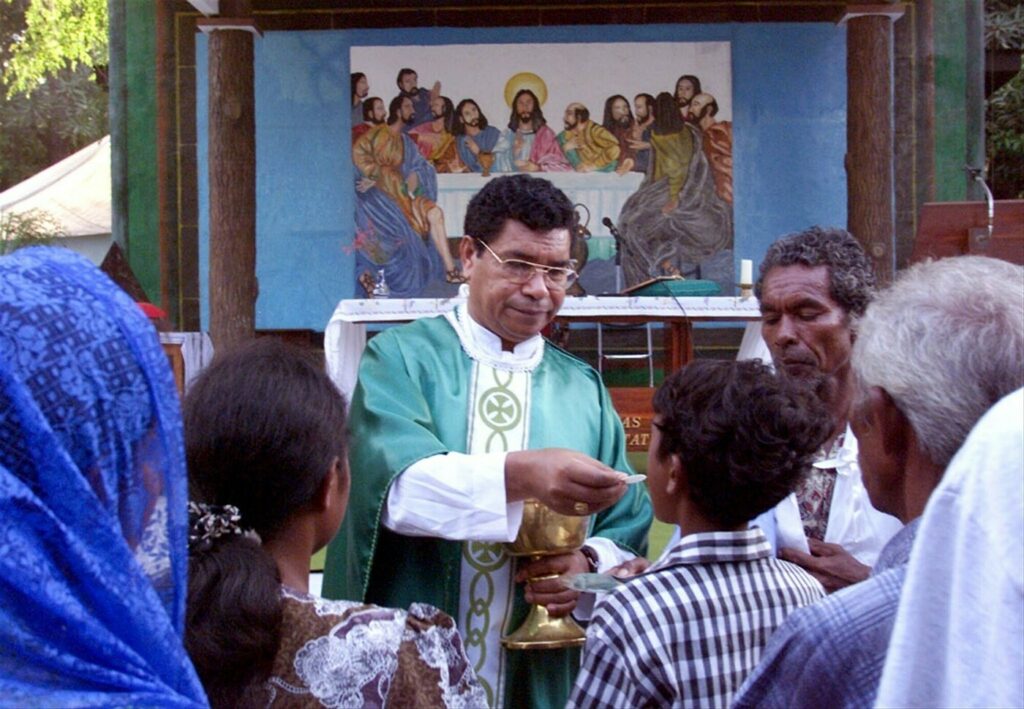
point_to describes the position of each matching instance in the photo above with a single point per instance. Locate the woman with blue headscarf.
(93, 520)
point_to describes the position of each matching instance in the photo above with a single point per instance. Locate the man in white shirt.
(811, 287)
(458, 419)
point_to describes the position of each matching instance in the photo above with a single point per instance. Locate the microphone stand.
(618, 252)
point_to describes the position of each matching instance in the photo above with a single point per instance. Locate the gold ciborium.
(486, 160)
(544, 532)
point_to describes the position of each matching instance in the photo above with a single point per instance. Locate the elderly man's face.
(514, 312)
(807, 332)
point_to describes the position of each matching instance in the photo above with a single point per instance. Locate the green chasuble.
(411, 402)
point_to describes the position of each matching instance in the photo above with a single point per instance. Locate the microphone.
(611, 227)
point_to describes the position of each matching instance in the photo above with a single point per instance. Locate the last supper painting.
(637, 135)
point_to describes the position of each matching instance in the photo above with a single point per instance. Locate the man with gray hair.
(812, 287)
(932, 354)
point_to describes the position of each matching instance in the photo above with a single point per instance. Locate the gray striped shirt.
(689, 630)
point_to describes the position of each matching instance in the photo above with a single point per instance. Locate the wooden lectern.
(958, 228)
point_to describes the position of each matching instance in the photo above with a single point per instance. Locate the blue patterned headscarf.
(93, 520)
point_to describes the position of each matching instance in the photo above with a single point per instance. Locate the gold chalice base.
(542, 632)
(544, 532)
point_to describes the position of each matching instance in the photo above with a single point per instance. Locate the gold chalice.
(486, 160)
(545, 532)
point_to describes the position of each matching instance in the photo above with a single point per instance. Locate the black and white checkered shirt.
(689, 630)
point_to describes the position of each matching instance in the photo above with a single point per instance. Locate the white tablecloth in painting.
(345, 334)
(602, 193)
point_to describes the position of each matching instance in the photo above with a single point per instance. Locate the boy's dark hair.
(743, 435)
(532, 201)
(263, 427)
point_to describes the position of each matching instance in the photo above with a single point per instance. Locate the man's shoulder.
(556, 355)
(844, 617)
(434, 329)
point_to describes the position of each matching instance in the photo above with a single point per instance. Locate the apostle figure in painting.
(395, 207)
(717, 141)
(456, 419)
(435, 140)
(408, 87)
(675, 220)
(360, 90)
(640, 140)
(373, 114)
(618, 120)
(588, 146)
(533, 146)
(687, 86)
(473, 135)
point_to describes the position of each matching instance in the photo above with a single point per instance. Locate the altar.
(345, 334)
(602, 193)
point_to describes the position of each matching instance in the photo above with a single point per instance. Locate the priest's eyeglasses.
(519, 272)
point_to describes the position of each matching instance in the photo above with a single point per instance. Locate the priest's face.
(514, 312)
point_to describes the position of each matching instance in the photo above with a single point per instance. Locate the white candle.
(746, 272)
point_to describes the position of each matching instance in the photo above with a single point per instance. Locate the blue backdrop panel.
(789, 129)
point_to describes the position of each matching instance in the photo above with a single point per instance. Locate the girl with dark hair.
(265, 444)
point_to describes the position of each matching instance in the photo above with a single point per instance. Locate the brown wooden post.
(869, 131)
(232, 171)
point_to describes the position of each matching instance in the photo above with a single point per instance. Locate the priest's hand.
(832, 565)
(567, 481)
(544, 585)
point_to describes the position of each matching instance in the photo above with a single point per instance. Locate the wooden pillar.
(232, 174)
(869, 131)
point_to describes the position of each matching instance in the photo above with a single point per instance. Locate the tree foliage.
(30, 228)
(1004, 114)
(64, 113)
(58, 35)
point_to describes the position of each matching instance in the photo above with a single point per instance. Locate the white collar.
(484, 346)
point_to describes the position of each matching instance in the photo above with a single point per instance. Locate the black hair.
(609, 121)
(395, 107)
(648, 99)
(447, 113)
(404, 71)
(459, 128)
(533, 201)
(666, 115)
(368, 107)
(264, 426)
(851, 280)
(694, 81)
(537, 116)
(356, 76)
(744, 436)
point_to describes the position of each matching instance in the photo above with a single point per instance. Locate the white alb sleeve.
(453, 496)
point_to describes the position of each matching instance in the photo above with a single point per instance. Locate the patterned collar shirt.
(689, 630)
(831, 654)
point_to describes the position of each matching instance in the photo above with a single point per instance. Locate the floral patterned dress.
(347, 654)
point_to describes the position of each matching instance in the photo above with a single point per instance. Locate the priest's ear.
(468, 253)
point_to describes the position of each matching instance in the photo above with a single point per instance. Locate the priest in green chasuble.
(456, 420)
